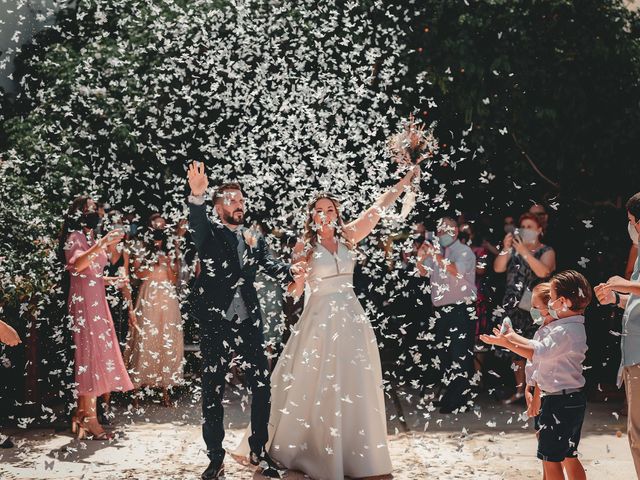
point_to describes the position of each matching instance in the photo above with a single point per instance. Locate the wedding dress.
(327, 401)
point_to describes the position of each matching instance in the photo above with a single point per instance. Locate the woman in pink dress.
(99, 368)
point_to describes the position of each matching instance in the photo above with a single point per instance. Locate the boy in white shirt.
(556, 354)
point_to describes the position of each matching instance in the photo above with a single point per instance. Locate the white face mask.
(529, 236)
(633, 233)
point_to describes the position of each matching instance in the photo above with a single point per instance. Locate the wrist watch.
(617, 297)
(196, 199)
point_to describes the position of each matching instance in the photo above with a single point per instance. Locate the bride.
(327, 401)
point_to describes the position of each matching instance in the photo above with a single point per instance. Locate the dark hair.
(219, 192)
(149, 242)
(530, 216)
(633, 206)
(574, 286)
(153, 217)
(71, 223)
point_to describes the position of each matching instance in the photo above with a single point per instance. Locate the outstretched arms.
(362, 226)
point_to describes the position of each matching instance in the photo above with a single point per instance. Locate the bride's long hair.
(310, 235)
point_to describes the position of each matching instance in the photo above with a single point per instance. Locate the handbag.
(525, 301)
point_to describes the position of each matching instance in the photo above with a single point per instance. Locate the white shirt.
(447, 289)
(558, 352)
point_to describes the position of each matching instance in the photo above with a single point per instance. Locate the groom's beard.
(235, 218)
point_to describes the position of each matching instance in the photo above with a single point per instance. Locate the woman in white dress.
(327, 401)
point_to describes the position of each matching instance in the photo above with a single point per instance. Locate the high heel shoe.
(75, 424)
(85, 432)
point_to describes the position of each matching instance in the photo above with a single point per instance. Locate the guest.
(155, 348)
(540, 211)
(99, 368)
(477, 245)
(451, 267)
(527, 261)
(557, 355)
(9, 337)
(631, 260)
(509, 224)
(120, 304)
(625, 294)
(119, 295)
(271, 305)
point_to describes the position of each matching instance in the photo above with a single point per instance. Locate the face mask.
(633, 233)
(536, 315)
(446, 240)
(90, 220)
(553, 312)
(529, 236)
(159, 235)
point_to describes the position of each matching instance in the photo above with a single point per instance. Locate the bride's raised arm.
(363, 225)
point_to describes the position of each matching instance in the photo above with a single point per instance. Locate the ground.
(156, 442)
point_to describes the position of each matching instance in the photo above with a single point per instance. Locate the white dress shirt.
(558, 352)
(447, 289)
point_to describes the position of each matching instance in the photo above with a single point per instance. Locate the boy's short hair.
(573, 286)
(633, 206)
(544, 290)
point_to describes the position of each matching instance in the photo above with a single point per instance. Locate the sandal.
(84, 431)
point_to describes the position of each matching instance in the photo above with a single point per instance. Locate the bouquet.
(409, 147)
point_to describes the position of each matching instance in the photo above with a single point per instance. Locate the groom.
(231, 323)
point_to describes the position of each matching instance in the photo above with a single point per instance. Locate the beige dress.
(154, 353)
(327, 402)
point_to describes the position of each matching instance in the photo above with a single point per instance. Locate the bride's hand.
(299, 270)
(413, 173)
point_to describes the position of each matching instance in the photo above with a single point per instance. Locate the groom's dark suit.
(222, 273)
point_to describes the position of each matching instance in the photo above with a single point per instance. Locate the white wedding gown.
(327, 402)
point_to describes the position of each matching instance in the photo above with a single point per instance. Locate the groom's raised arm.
(199, 223)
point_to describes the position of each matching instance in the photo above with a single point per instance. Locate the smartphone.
(516, 234)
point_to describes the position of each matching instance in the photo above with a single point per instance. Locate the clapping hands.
(498, 338)
(112, 238)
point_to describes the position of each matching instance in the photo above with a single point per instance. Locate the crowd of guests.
(146, 271)
(127, 286)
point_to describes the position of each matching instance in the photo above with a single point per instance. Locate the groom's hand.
(198, 180)
(299, 270)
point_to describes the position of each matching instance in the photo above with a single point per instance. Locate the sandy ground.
(492, 442)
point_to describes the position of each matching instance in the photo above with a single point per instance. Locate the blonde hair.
(544, 290)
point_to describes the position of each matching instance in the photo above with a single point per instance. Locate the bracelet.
(617, 297)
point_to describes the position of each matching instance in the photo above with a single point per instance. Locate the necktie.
(240, 238)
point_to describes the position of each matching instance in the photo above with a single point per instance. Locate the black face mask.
(90, 220)
(160, 235)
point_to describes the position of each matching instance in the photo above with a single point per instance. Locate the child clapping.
(556, 353)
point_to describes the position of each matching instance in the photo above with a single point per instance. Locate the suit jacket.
(221, 272)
